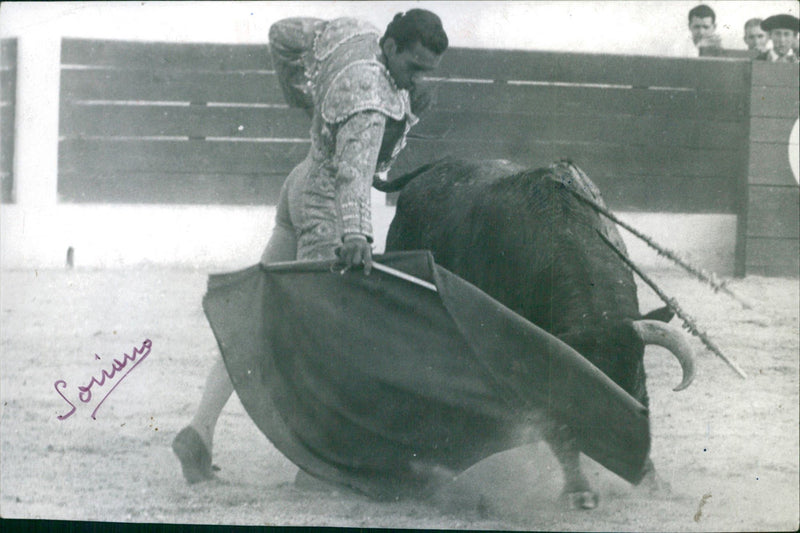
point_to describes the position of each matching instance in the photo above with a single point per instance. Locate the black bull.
(521, 236)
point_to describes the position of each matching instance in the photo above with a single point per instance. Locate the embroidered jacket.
(332, 69)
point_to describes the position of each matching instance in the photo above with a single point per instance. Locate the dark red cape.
(356, 378)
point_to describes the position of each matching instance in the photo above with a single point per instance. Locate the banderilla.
(699, 273)
(688, 322)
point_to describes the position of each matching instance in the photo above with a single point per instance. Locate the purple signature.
(85, 391)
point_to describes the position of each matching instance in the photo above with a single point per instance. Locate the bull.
(522, 236)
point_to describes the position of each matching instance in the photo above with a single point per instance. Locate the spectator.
(783, 31)
(703, 27)
(756, 39)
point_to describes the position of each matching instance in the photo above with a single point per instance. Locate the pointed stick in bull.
(699, 273)
(688, 322)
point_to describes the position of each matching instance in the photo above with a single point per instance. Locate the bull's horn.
(671, 338)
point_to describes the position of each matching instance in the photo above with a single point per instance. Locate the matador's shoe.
(194, 456)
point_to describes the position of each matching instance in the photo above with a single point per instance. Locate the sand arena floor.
(727, 446)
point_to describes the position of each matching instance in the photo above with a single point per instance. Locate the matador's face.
(407, 66)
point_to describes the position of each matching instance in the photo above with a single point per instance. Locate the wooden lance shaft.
(688, 322)
(697, 272)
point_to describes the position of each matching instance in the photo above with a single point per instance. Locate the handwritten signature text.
(95, 385)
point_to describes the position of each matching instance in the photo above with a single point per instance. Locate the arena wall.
(154, 153)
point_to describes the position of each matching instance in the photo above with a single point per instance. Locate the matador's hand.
(355, 251)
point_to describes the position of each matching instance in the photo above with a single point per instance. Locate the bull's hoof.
(654, 484)
(580, 500)
(652, 481)
(459, 498)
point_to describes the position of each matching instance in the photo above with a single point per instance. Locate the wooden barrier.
(728, 52)
(656, 134)
(772, 234)
(207, 123)
(152, 122)
(174, 123)
(8, 85)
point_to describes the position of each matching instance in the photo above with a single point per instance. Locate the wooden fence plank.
(6, 188)
(674, 195)
(774, 212)
(243, 122)
(190, 121)
(603, 160)
(639, 71)
(777, 130)
(501, 98)
(769, 164)
(532, 99)
(673, 149)
(172, 85)
(201, 157)
(659, 194)
(171, 56)
(8, 53)
(617, 129)
(773, 257)
(774, 102)
(8, 87)
(8, 80)
(727, 53)
(159, 188)
(766, 74)
(463, 62)
(773, 196)
(6, 139)
(677, 194)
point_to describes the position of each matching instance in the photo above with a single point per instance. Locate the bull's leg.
(652, 481)
(577, 494)
(448, 492)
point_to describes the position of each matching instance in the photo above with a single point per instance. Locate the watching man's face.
(701, 28)
(756, 38)
(782, 40)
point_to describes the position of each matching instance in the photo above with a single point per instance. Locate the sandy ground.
(727, 446)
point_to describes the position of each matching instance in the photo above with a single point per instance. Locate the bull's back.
(519, 235)
(432, 209)
(527, 241)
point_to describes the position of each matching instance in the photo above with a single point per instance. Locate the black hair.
(753, 22)
(417, 25)
(702, 11)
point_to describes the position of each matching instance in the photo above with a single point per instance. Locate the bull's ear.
(662, 314)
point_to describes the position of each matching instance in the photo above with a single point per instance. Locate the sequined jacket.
(360, 118)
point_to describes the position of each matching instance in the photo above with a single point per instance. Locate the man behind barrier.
(703, 29)
(755, 37)
(783, 31)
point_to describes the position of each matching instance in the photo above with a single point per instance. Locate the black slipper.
(193, 454)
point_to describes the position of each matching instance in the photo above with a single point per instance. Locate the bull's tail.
(398, 183)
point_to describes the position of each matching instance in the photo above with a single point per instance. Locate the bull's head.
(671, 338)
(617, 348)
